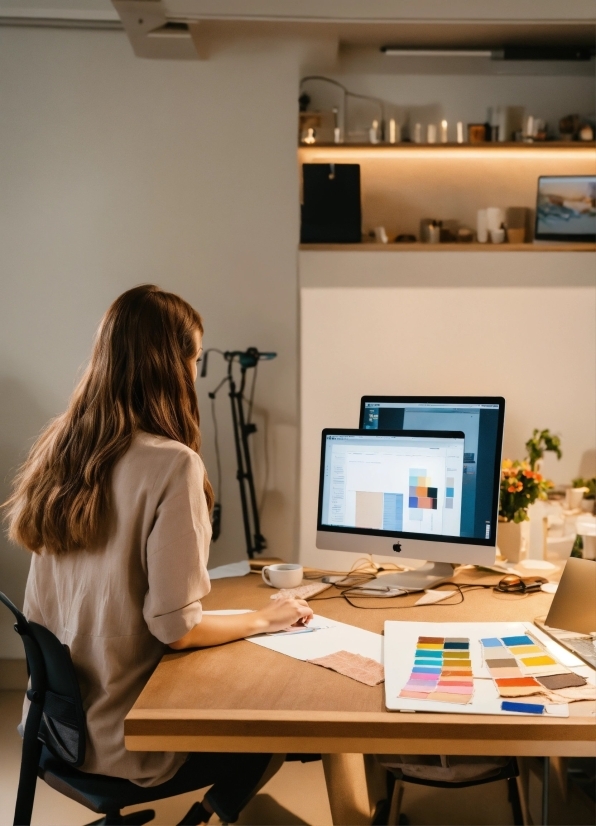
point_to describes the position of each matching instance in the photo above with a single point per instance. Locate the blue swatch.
(428, 655)
(424, 670)
(522, 708)
(492, 642)
(456, 645)
(518, 641)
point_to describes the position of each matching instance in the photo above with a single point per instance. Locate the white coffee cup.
(283, 575)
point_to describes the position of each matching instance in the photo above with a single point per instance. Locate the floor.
(296, 795)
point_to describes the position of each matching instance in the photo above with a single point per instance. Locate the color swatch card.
(441, 667)
(442, 671)
(518, 665)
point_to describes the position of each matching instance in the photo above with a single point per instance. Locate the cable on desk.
(462, 589)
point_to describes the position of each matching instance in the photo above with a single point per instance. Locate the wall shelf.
(539, 146)
(418, 247)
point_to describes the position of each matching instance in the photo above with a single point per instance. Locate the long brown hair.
(139, 378)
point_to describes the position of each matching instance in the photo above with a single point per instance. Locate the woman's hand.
(283, 613)
(216, 630)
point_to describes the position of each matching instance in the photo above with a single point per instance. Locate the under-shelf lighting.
(394, 51)
(331, 153)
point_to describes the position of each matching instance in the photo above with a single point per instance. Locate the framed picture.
(566, 208)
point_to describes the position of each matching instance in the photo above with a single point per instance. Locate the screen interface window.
(395, 483)
(479, 423)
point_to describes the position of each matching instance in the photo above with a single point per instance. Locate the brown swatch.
(431, 639)
(561, 681)
(503, 663)
(359, 668)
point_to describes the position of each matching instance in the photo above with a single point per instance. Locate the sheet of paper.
(400, 646)
(330, 636)
(431, 596)
(233, 569)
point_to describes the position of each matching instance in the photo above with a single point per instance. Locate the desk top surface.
(241, 680)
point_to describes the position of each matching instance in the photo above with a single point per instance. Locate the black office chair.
(388, 810)
(55, 738)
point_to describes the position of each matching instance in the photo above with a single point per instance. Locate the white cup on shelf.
(497, 236)
(494, 218)
(283, 575)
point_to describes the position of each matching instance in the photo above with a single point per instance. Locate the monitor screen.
(406, 483)
(480, 419)
(566, 208)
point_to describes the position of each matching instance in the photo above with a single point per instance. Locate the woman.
(114, 503)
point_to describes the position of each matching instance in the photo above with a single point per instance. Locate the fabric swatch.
(509, 641)
(505, 663)
(554, 681)
(523, 650)
(573, 694)
(517, 681)
(505, 672)
(355, 666)
(533, 661)
(491, 642)
(524, 708)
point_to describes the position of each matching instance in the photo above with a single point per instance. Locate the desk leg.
(523, 787)
(346, 787)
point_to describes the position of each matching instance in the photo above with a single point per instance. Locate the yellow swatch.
(518, 650)
(529, 661)
(434, 646)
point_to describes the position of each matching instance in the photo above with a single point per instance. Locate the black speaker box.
(331, 211)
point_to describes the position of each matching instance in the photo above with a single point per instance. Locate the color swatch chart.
(421, 495)
(442, 671)
(521, 668)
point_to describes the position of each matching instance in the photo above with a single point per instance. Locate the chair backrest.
(53, 686)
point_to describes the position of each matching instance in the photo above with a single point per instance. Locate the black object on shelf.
(331, 211)
(243, 428)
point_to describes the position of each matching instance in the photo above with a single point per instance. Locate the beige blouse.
(117, 606)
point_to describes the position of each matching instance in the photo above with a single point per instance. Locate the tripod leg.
(259, 539)
(236, 401)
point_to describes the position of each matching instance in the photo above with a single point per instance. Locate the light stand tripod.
(255, 541)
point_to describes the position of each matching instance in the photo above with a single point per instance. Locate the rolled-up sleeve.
(177, 552)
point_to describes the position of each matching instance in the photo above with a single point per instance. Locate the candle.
(431, 133)
(418, 133)
(460, 132)
(443, 131)
(392, 132)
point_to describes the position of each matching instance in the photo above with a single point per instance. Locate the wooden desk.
(241, 697)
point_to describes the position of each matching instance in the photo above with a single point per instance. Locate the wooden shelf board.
(418, 247)
(477, 147)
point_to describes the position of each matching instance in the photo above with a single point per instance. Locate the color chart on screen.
(442, 671)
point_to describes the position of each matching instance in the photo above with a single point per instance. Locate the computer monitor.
(473, 538)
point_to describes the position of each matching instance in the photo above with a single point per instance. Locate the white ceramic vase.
(510, 540)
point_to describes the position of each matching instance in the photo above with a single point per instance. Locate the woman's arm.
(218, 629)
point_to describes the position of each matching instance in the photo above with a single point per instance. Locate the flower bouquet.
(520, 487)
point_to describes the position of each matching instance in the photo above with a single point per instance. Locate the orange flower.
(538, 477)
(528, 474)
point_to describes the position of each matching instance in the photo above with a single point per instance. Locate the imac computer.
(418, 480)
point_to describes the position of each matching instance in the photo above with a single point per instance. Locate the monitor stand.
(428, 576)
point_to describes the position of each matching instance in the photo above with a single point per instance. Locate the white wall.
(117, 171)
(520, 325)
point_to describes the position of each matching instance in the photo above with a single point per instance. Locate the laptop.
(571, 620)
